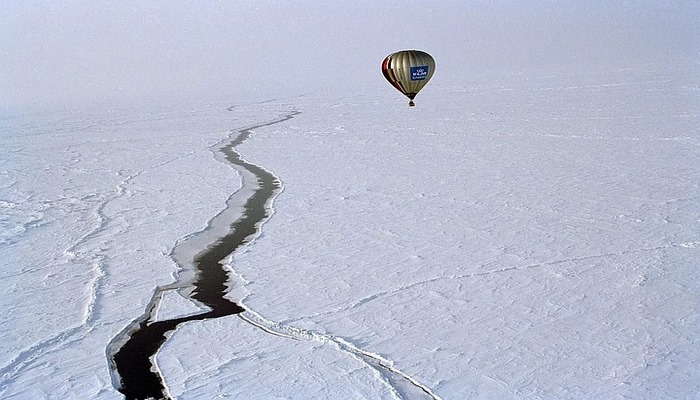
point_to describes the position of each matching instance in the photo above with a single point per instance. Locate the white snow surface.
(532, 235)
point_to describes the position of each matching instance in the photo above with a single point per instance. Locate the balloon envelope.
(408, 71)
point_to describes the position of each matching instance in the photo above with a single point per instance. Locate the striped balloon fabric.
(408, 71)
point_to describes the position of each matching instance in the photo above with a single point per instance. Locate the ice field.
(519, 237)
(527, 231)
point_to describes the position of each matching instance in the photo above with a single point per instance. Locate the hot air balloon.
(409, 71)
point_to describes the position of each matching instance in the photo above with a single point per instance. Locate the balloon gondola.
(408, 71)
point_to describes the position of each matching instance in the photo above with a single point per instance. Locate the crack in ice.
(132, 353)
(390, 292)
(27, 357)
(401, 384)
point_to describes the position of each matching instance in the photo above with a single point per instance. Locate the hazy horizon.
(79, 53)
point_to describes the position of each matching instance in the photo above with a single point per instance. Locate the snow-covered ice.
(530, 230)
(535, 236)
(89, 220)
(520, 236)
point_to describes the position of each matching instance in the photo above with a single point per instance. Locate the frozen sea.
(533, 235)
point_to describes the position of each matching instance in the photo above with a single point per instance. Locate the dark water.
(133, 364)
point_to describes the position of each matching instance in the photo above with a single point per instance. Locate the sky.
(73, 53)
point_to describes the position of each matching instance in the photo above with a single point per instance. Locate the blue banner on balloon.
(419, 73)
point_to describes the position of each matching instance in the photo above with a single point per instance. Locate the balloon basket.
(411, 104)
